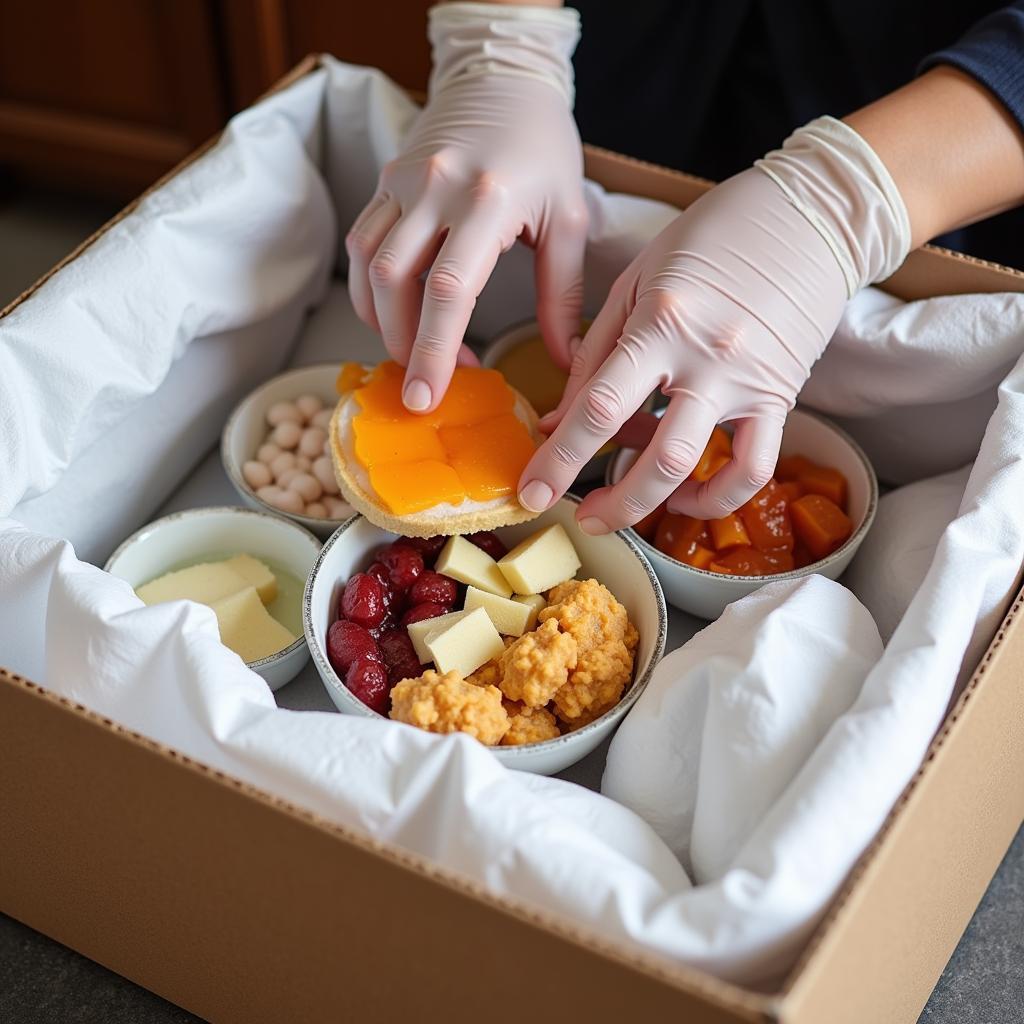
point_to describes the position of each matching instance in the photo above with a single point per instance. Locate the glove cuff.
(836, 180)
(471, 40)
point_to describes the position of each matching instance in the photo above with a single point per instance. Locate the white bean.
(288, 501)
(269, 494)
(268, 452)
(256, 474)
(336, 508)
(306, 485)
(317, 510)
(323, 470)
(284, 461)
(283, 412)
(312, 443)
(286, 434)
(288, 476)
(322, 419)
(309, 406)
(327, 447)
(303, 462)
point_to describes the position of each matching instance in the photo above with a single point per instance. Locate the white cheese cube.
(256, 574)
(465, 645)
(509, 617)
(248, 628)
(534, 603)
(205, 583)
(540, 562)
(466, 563)
(418, 632)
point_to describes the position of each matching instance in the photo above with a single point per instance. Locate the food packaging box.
(241, 907)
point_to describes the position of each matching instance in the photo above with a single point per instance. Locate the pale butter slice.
(205, 583)
(534, 603)
(248, 628)
(509, 616)
(465, 645)
(541, 562)
(254, 572)
(466, 563)
(418, 632)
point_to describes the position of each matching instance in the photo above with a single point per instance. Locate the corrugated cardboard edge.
(928, 271)
(122, 847)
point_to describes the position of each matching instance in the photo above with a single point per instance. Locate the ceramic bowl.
(215, 533)
(616, 560)
(246, 429)
(707, 593)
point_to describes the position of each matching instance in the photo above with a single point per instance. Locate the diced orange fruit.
(700, 557)
(792, 489)
(380, 441)
(781, 559)
(350, 377)
(801, 556)
(743, 562)
(792, 467)
(489, 457)
(407, 487)
(728, 532)
(649, 523)
(820, 523)
(827, 482)
(676, 534)
(766, 520)
(717, 452)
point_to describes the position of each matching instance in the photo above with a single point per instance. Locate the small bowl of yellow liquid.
(521, 355)
(250, 568)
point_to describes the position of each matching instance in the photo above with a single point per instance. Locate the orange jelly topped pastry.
(473, 445)
(798, 517)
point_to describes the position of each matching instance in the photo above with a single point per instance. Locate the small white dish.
(246, 429)
(215, 533)
(615, 560)
(706, 593)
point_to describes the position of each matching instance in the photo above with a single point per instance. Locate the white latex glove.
(725, 311)
(494, 155)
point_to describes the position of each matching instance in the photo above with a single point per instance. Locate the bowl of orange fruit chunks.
(809, 518)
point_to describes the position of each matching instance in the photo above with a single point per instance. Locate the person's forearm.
(952, 149)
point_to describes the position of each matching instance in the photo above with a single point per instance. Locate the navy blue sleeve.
(992, 51)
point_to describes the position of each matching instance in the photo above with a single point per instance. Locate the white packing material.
(764, 755)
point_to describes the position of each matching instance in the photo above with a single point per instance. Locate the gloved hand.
(725, 311)
(493, 156)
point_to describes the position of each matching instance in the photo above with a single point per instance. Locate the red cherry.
(432, 586)
(428, 547)
(426, 610)
(487, 541)
(404, 670)
(368, 680)
(363, 600)
(395, 646)
(348, 642)
(404, 565)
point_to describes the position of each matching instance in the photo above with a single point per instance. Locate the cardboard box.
(184, 879)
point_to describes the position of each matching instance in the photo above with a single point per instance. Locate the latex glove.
(725, 311)
(494, 155)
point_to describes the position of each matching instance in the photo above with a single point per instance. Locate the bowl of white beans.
(275, 451)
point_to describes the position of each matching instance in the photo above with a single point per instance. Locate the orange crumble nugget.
(588, 611)
(448, 703)
(597, 683)
(528, 725)
(537, 665)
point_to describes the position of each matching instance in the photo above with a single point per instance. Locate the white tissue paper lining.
(765, 753)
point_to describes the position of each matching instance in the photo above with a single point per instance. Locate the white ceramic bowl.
(707, 593)
(218, 532)
(616, 560)
(246, 429)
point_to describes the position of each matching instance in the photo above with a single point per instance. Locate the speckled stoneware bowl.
(616, 560)
(201, 533)
(706, 593)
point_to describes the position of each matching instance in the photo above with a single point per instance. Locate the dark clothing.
(710, 87)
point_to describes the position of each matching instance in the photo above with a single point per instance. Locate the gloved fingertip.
(417, 395)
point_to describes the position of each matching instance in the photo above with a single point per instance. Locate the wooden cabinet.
(107, 95)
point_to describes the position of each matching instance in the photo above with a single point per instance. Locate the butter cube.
(248, 628)
(205, 583)
(256, 574)
(534, 603)
(465, 645)
(540, 562)
(509, 617)
(466, 563)
(418, 632)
